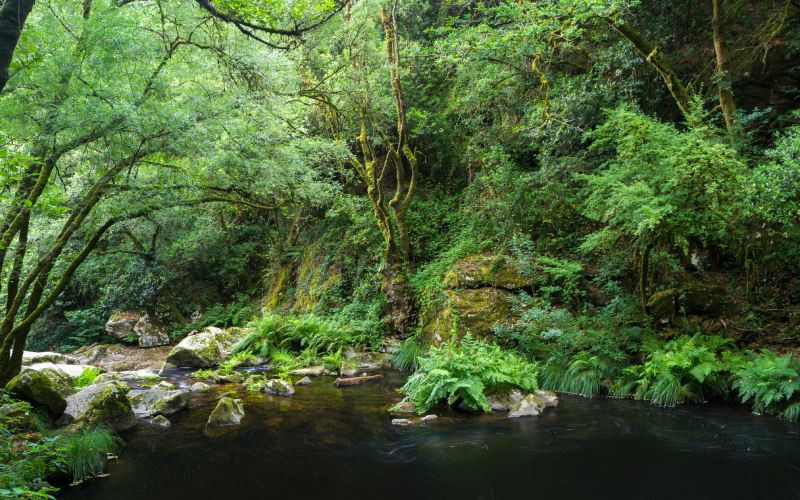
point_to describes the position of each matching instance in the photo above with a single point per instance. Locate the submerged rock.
(157, 422)
(200, 387)
(548, 398)
(101, 404)
(37, 389)
(404, 422)
(428, 418)
(158, 401)
(403, 407)
(304, 381)
(278, 387)
(228, 411)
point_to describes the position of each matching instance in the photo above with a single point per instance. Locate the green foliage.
(586, 374)
(310, 333)
(770, 383)
(85, 451)
(87, 377)
(684, 369)
(464, 372)
(406, 356)
(203, 374)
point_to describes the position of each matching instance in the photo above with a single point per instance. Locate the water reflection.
(338, 443)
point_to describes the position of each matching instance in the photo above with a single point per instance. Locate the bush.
(770, 383)
(464, 372)
(406, 357)
(87, 377)
(685, 369)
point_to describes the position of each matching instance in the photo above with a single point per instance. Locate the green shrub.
(586, 375)
(87, 377)
(464, 372)
(406, 357)
(770, 382)
(684, 369)
(85, 452)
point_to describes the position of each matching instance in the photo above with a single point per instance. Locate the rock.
(402, 422)
(428, 418)
(304, 381)
(548, 399)
(37, 389)
(166, 385)
(149, 333)
(200, 350)
(348, 369)
(482, 270)
(403, 407)
(32, 358)
(311, 371)
(474, 310)
(102, 404)
(704, 300)
(64, 383)
(663, 305)
(139, 376)
(226, 377)
(158, 401)
(369, 361)
(200, 387)
(227, 412)
(278, 387)
(526, 407)
(505, 400)
(157, 422)
(71, 371)
(123, 358)
(120, 325)
(255, 383)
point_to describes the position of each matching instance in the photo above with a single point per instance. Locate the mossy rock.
(315, 280)
(473, 310)
(102, 404)
(228, 411)
(37, 389)
(201, 350)
(704, 300)
(479, 271)
(663, 305)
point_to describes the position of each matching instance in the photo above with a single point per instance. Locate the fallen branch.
(344, 382)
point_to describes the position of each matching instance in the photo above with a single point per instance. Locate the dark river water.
(334, 443)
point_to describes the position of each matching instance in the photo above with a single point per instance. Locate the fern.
(770, 382)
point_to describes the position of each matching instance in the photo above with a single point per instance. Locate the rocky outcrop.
(101, 404)
(228, 411)
(158, 401)
(37, 389)
(479, 294)
(120, 325)
(150, 334)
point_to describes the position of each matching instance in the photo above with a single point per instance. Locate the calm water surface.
(334, 443)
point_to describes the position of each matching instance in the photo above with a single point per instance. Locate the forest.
(423, 216)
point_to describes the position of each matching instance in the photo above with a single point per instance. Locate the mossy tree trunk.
(391, 214)
(726, 100)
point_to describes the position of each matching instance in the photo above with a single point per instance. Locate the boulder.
(71, 371)
(32, 358)
(278, 387)
(37, 389)
(149, 333)
(64, 383)
(304, 381)
(158, 401)
(120, 325)
(504, 401)
(311, 371)
(102, 404)
(199, 387)
(529, 406)
(143, 375)
(663, 305)
(200, 350)
(474, 310)
(228, 411)
(547, 399)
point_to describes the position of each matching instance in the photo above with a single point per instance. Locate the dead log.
(344, 382)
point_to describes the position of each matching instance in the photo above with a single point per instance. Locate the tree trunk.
(13, 15)
(726, 101)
